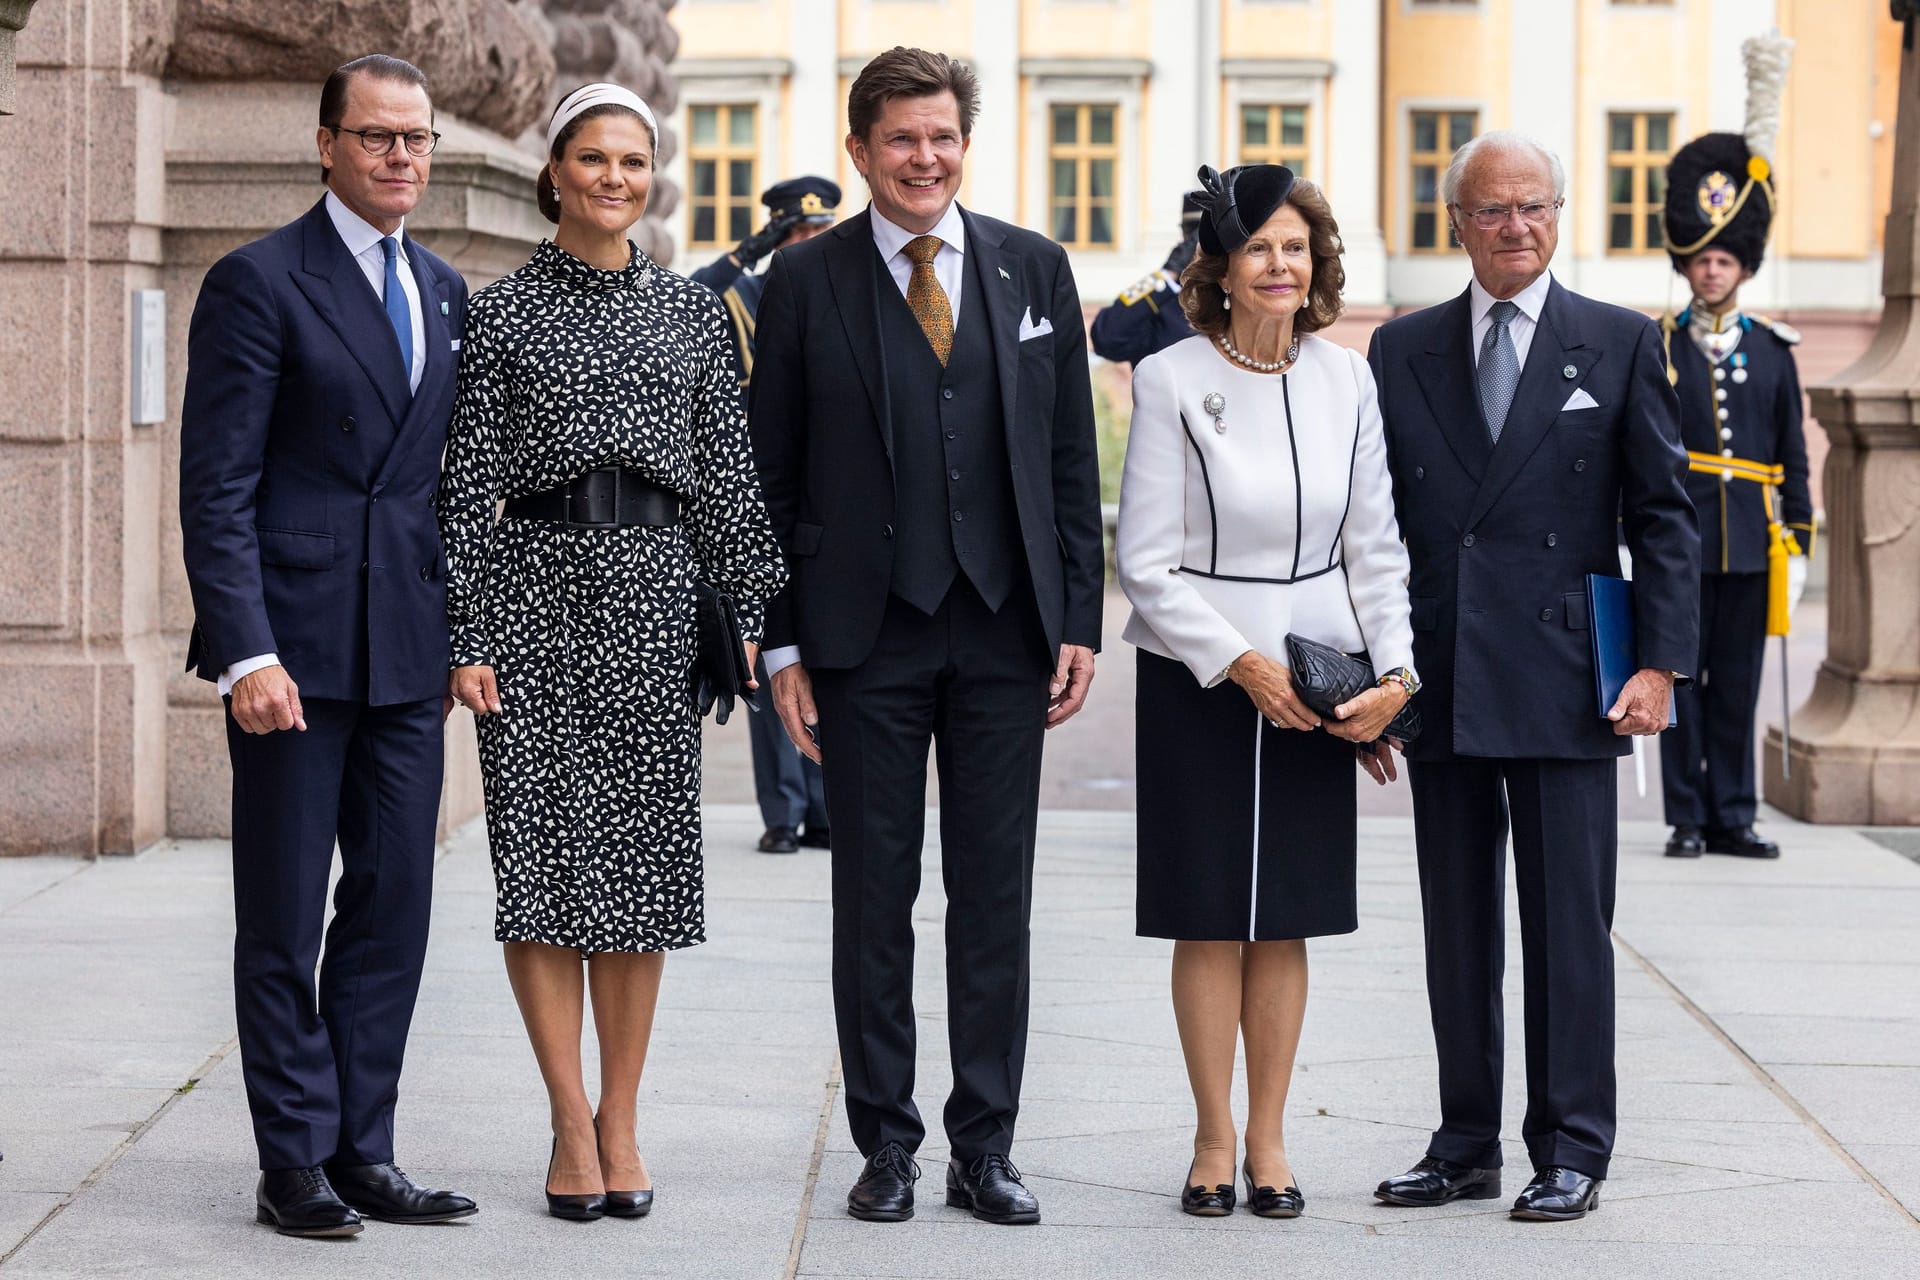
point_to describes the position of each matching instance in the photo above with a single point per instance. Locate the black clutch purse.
(1324, 678)
(720, 671)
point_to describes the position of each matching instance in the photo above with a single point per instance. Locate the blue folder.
(1610, 620)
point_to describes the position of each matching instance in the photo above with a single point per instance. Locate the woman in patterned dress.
(598, 399)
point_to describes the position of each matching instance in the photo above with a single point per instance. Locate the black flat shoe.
(1206, 1202)
(301, 1202)
(1268, 1203)
(1557, 1194)
(385, 1194)
(884, 1190)
(816, 838)
(1742, 842)
(991, 1189)
(1436, 1181)
(1686, 842)
(574, 1208)
(778, 840)
(625, 1204)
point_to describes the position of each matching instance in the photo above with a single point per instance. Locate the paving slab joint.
(828, 1095)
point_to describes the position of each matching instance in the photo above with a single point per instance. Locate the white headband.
(599, 95)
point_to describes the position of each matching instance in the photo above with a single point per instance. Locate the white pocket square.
(1579, 400)
(456, 344)
(1030, 329)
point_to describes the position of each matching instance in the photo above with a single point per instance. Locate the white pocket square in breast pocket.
(1029, 328)
(456, 344)
(1579, 400)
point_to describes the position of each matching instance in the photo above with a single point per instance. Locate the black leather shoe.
(990, 1186)
(385, 1194)
(778, 840)
(1268, 1203)
(625, 1204)
(301, 1202)
(884, 1192)
(1436, 1181)
(573, 1207)
(1741, 842)
(816, 838)
(1204, 1201)
(1557, 1195)
(1686, 843)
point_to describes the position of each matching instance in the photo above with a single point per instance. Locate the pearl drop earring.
(1226, 300)
(556, 193)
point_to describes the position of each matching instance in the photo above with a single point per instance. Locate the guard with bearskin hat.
(1740, 418)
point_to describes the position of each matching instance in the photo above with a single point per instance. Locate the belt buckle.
(613, 505)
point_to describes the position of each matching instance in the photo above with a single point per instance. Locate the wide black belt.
(603, 499)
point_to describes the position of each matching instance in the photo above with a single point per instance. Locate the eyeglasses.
(377, 142)
(1494, 216)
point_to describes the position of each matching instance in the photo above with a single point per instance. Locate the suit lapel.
(999, 307)
(1557, 363)
(1447, 380)
(441, 361)
(853, 271)
(333, 282)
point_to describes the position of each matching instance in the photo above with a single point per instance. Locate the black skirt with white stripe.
(1245, 831)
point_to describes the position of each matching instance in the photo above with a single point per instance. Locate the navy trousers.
(322, 1061)
(1706, 760)
(787, 785)
(1565, 852)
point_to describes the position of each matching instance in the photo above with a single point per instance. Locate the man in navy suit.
(1522, 422)
(320, 379)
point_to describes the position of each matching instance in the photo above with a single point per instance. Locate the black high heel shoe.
(624, 1204)
(1206, 1202)
(1268, 1203)
(574, 1208)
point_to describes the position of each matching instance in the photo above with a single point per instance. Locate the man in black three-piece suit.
(1522, 422)
(923, 423)
(320, 379)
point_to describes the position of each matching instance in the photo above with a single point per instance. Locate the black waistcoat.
(953, 487)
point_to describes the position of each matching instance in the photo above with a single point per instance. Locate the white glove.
(1796, 582)
(1626, 562)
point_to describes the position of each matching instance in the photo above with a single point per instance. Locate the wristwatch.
(1402, 677)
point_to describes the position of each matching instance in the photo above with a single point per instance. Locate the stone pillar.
(13, 18)
(1353, 150)
(1855, 745)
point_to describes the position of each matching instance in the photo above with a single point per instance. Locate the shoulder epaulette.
(1781, 329)
(1144, 287)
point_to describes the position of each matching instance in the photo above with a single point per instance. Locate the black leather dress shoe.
(301, 1202)
(1266, 1202)
(1557, 1195)
(990, 1186)
(1686, 842)
(884, 1192)
(587, 1206)
(625, 1204)
(1436, 1181)
(1206, 1202)
(778, 840)
(385, 1194)
(1741, 842)
(816, 838)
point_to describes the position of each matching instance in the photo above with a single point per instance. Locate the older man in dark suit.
(1523, 421)
(923, 423)
(320, 379)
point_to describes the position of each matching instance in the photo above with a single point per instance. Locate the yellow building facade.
(1095, 114)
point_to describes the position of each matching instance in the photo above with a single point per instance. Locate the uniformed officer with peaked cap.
(1147, 317)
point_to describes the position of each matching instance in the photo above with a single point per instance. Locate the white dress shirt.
(1531, 301)
(362, 239)
(1283, 522)
(949, 267)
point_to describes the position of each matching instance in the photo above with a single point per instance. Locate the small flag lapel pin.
(1004, 275)
(443, 308)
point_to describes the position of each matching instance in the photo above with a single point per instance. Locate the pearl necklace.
(1260, 366)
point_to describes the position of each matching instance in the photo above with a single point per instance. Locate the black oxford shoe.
(301, 1202)
(385, 1194)
(1436, 1181)
(990, 1186)
(816, 838)
(1686, 843)
(778, 840)
(884, 1192)
(1557, 1194)
(1741, 842)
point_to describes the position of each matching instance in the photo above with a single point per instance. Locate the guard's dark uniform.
(1143, 320)
(739, 292)
(1740, 419)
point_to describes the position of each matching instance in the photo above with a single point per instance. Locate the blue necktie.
(396, 300)
(1499, 368)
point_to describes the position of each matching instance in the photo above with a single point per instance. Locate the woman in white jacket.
(1256, 502)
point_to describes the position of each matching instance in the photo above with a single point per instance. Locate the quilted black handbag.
(1324, 678)
(720, 671)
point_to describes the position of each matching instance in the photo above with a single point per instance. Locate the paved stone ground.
(1769, 1063)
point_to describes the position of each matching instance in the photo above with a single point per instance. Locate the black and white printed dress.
(592, 766)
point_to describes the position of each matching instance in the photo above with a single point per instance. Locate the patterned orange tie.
(927, 299)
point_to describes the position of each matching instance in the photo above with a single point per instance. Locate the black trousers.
(1562, 816)
(1706, 760)
(972, 684)
(322, 1062)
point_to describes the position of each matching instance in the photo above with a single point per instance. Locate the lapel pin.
(1004, 275)
(1569, 373)
(443, 308)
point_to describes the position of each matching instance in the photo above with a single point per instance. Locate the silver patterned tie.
(1499, 368)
